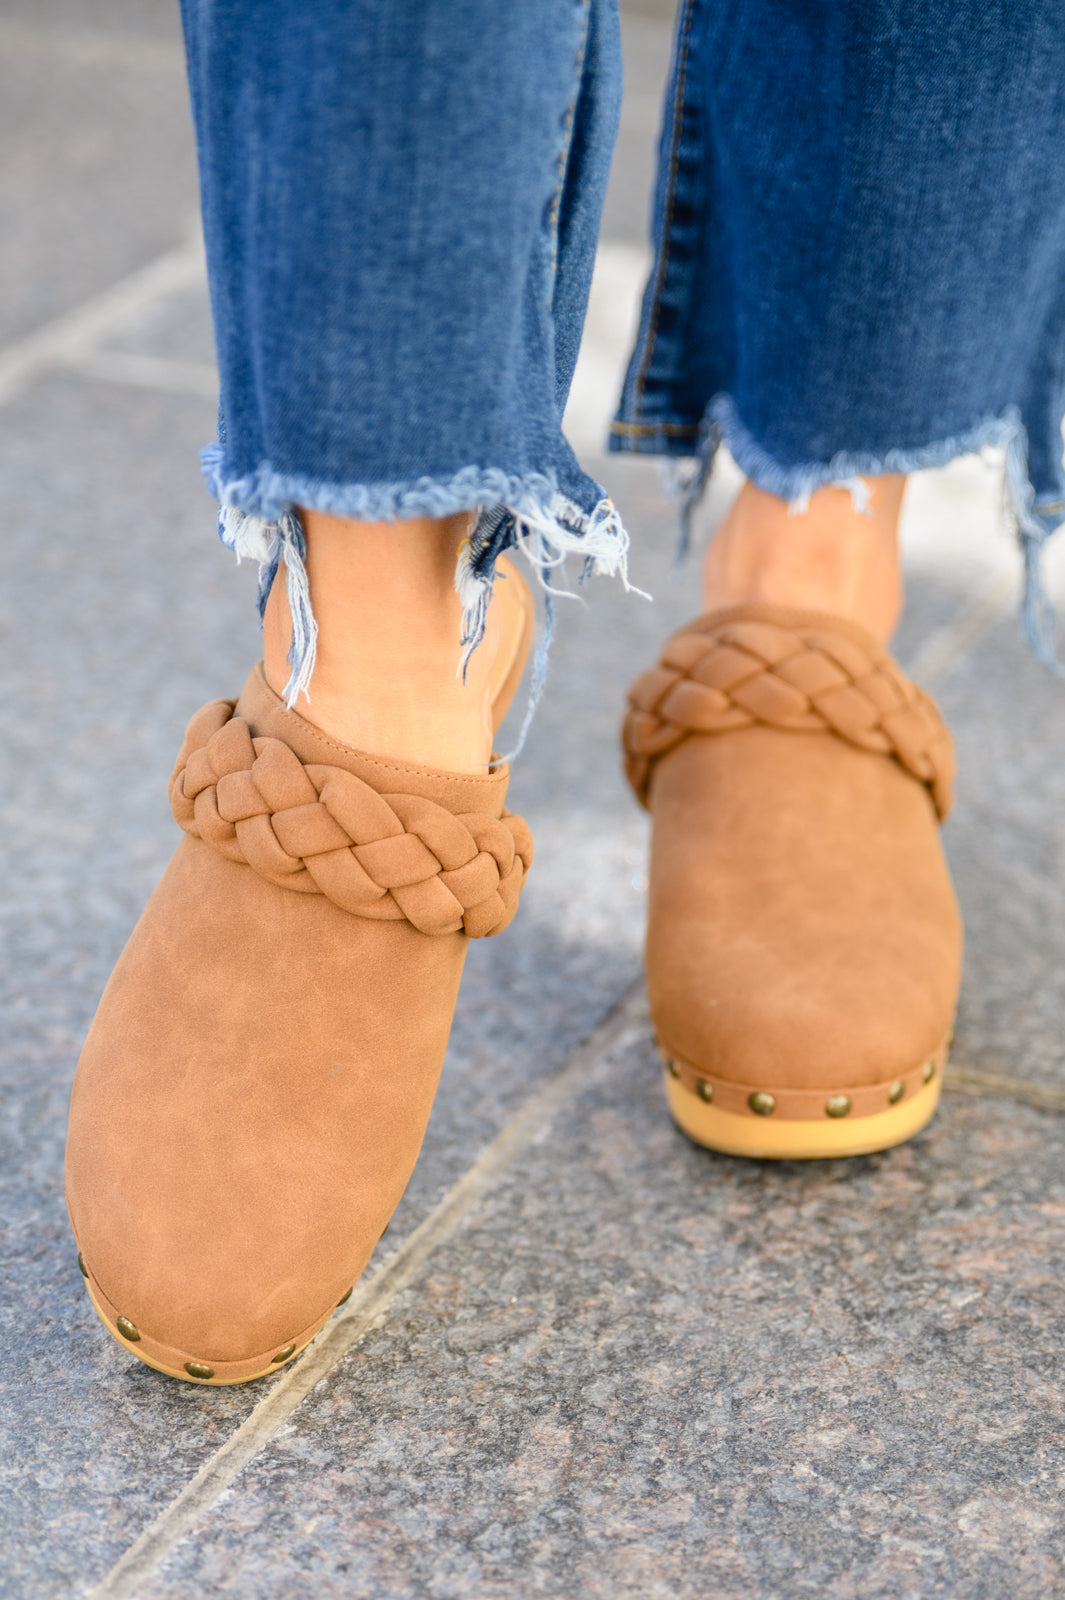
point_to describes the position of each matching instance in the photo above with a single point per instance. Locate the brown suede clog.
(253, 1093)
(804, 942)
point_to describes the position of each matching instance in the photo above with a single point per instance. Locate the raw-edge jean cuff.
(527, 513)
(1034, 522)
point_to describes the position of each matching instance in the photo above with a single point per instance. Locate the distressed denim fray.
(860, 250)
(401, 203)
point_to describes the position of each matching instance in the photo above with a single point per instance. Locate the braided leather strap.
(322, 830)
(715, 676)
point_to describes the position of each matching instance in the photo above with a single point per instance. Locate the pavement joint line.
(368, 1304)
(945, 646)
(146, 372)
(1003, 1086)
(73, 335)
(91, 49)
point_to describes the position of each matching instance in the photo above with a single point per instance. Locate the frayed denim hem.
(545, 536)
(527, 513)
(1034, 522)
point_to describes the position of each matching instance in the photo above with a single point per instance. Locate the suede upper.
(803, 932)
(255, 1087)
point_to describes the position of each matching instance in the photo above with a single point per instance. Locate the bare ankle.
(830, 557)
(389, 621)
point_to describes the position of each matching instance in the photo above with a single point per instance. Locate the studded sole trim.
(172, 1362)
(803, 1105)
(771, 1137)
(186, 1377)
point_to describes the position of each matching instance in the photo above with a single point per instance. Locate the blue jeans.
(859, 259)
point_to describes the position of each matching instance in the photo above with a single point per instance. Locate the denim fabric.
(400, 201)
(859, 259)
(860, 247)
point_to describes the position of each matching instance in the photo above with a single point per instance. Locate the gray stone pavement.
(590, 1358)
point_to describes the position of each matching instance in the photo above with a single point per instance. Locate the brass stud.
(704, 1090)
(929, 1071)
(672, 1068)
(837, 1105)
(283, 1355)
(344, 1298)
(127, 1330)
(82, 1268)
(896, 1092)
(199, 1369)
(762, 1104)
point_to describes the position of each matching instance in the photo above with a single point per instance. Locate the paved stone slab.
(646, 38)
(1007, 847)
(578, 1386)
(122, 615)
(117, 615)
(94, 729)
(98, 175)
(643, 1370)
(177, 329)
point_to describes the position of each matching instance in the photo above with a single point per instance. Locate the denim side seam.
(1034, 521)
(527, 512)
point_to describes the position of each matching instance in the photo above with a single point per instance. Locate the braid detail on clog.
(320, 829)
(723, 673)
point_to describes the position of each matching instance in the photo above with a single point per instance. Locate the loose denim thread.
(1037, 619)
(489, 535)
(303, 651)
(546, 537)
(722, 425)
(270, 543)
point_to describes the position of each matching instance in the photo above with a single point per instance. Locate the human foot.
(389, 621)
(255, 1087)
(830, 557)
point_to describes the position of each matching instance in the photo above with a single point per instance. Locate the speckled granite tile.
(111, 24)
(644, 1370)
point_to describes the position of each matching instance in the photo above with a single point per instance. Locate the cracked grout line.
(369, 1302)
(1002, 1086)
(135, 371)
(946, 646)
(92, 49)
(72, 336)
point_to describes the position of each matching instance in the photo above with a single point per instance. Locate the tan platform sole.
(773, 1138)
